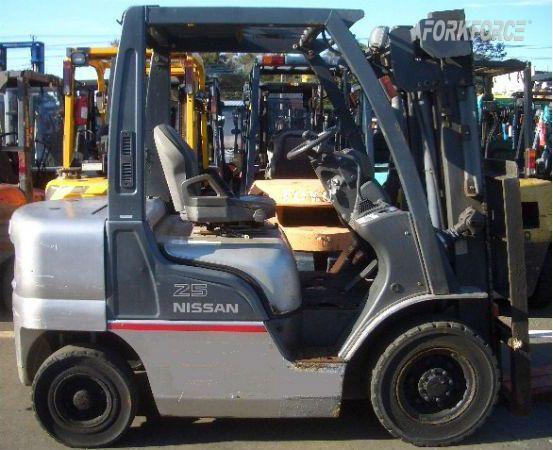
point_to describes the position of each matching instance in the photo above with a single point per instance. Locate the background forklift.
(37, 54)
(85, 127)
(22, 92)
(520, 144)
(83, 173)
(284, 102)
(191, 290)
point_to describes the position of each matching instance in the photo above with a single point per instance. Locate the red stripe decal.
(130, 326)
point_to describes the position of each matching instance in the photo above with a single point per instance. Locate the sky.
(93, 23)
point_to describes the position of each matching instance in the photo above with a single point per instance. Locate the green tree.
(210, 58)
(487, 49)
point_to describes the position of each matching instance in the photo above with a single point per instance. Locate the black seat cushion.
(280, 166)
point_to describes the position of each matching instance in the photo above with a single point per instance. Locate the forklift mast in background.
(37, 54)
(22, 140)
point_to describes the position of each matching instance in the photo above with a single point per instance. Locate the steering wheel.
(311, 144)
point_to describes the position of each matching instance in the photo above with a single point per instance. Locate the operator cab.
(213, 236)
(216, 227)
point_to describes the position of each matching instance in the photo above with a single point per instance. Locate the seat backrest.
(178, 161)
(281, 166)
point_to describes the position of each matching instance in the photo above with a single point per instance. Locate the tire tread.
(397, 342)
(89, 351)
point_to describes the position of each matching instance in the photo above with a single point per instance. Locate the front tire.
(84, 396)
(434, 384)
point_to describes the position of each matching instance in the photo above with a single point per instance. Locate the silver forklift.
(175, 295)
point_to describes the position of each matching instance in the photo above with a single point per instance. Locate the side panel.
(400, 269)
(229, 370)
(145, 284)
(211, 355)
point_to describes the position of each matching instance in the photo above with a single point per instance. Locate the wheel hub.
(435, 385)
(82, 400)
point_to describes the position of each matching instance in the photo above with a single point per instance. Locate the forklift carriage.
(182, 283)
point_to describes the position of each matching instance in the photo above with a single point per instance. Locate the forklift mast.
(473, 203)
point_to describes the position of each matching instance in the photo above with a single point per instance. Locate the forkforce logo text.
(455, 30)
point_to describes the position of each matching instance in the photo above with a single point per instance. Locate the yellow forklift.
(83, 171)
(509, 130)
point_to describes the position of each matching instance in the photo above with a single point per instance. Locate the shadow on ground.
(357, 422)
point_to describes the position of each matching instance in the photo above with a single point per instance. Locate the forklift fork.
(513, 327)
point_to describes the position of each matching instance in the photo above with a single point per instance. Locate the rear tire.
(84, 396)
(434, 384)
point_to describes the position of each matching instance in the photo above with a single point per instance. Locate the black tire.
(542, 293)
(84, 396)
(6, 277)
(434, 384)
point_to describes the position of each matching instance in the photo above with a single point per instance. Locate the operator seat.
(184, 180)
(280, 166)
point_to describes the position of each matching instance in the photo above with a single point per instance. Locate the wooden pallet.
(305, 214)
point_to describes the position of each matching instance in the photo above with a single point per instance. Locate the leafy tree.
(210, 58)
(487, 49)
(232, 70)
(243, 62)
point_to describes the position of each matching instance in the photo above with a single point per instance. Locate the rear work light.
(273, 60)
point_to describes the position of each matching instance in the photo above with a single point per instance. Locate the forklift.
(37, 53)
(186, 287)
(83, 172)
(278, 112)
(534, 165)
(22, 149)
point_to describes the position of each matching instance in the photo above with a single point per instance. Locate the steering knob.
(309, 135)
